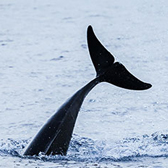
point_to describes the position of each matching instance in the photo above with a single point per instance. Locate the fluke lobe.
(54, 137)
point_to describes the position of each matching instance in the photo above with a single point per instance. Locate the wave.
(83, 149)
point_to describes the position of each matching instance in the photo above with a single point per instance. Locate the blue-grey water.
(44, 59)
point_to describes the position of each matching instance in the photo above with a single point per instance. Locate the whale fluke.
(54, 137)
(111, 71)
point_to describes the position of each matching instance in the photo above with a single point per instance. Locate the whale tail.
(107, 69)
(54, 137)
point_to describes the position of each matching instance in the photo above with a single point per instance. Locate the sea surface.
(44, 60)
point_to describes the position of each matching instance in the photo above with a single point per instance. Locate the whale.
(55, 135)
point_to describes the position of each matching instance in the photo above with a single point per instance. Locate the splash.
(83, 149)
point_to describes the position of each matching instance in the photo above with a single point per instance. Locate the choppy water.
(139, 152)
(44, 59)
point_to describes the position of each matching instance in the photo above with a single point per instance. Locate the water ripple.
(83, 149)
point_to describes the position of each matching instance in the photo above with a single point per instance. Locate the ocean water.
(44, 59)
